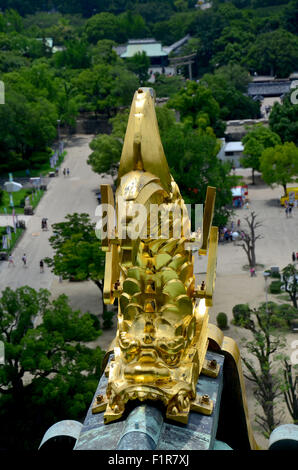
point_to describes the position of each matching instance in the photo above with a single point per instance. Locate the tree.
(27, 126)
(103, 88)
(132, 25)
(197, 105)
(139, 63)
(290, 17)
(290, 388)
(250, 237)
(106, 154)
(233, 103)
(265, 326)
(102, 26)
(43, 340)
(78, 255)
(279, 164)
(273, 53)
(167, 86)
(235, 75)
(76, 55)
(192, 158)
(255, 141)
(104, 53)
(283, 120)
(233, 45)
(290, 278)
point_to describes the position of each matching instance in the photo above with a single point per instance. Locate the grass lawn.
(19, 200)
(19, 197)
(14, 237)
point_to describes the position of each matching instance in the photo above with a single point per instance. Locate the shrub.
(240, 312)
(275, 275)
(39, 158)
(107, 317)
(275, 287)
(222, 320)
(96, 322)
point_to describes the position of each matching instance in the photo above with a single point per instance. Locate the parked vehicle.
(292, 196)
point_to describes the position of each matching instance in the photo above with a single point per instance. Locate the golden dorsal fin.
(142, 148)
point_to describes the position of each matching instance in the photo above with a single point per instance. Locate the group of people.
(66, 172)
(232, 234)
(24, 260)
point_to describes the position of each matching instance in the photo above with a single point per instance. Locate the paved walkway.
(65, 195)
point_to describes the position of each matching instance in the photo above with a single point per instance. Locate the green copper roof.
(152, 49)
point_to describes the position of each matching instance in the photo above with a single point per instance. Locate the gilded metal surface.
(162, 334)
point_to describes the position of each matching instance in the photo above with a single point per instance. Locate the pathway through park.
(65, 195)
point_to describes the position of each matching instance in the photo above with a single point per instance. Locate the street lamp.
(266, 275)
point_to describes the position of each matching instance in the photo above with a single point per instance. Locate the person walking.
(67, 171)
(41, 266)
(252, 272)
(24, 259)
(293, 257)
(64, 171)
(10, 261)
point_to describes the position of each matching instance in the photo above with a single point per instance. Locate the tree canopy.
(78, 255)
(255, 142)
(45, 339)
(279, 164)
(283, 120)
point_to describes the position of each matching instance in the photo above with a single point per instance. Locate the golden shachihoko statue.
(163, 331)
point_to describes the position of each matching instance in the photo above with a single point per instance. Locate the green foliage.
(275, 287)
(174, 28)
(76, 55)
(255, 142)
(102, 26)
(273, 53)
(290, 17)
(279, 164)
(139, 63)
(222, 320)
(63, 370)
(233, 103)
(167, 86)
(103, 87)
(198, 107)
(119, 123)
(77, 251)
(241, 314)
(107, 316)
(103, 52)
(233, 45)
(191, 155)
(106, 154)
(235, 75)
(283, 120)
